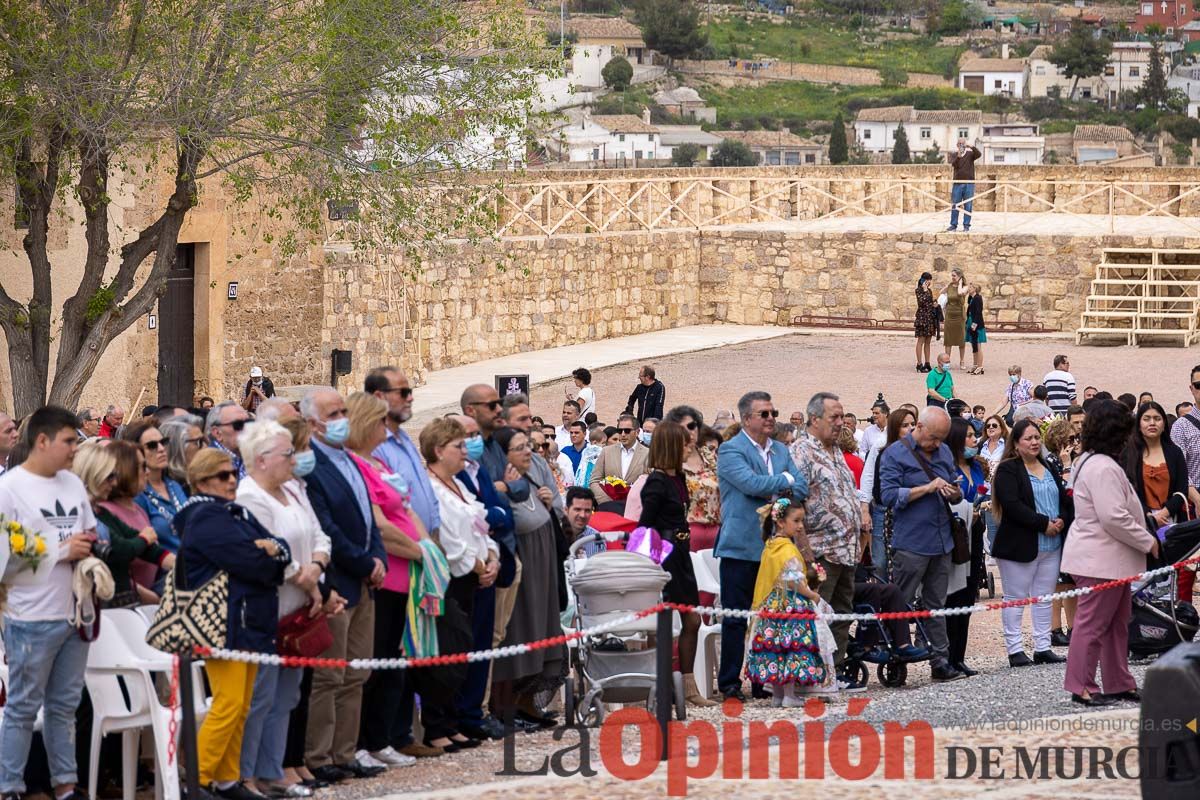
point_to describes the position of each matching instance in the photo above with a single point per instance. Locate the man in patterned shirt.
(835, 523)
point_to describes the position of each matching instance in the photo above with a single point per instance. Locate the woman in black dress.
(664, 508)
(926, 321)
(976, 334)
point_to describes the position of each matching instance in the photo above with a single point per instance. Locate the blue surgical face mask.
(337, 431)
(306, 462)
(397, 482)
(644, 438)
(475, 447)
(1014, 378)
(970, 452)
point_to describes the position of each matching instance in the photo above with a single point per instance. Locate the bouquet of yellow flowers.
(26, 548)
(615, 488)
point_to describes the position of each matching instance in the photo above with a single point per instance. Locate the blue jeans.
(264, 737)
(41, 655)
(878, 548)
(737, 591)
(961, 194)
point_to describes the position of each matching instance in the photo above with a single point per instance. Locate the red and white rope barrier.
(623, 622)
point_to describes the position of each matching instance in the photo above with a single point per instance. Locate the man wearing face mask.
(398, 451)
(256, 390)
(223, 426)
(472, 720)
(342, 504)
(626, 459)
(647, 431)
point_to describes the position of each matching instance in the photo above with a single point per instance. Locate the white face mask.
(1014, 378)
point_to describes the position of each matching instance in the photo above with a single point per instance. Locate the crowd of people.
(328, 509)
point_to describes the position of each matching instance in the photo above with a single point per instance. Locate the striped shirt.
(1060, 390)
(1186, 436)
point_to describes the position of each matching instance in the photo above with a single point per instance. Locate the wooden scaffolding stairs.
(1143, 295)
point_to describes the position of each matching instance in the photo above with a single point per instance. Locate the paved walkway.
(442, 389)
(993, 223)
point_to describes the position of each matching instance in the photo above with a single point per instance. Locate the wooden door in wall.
(176, 331)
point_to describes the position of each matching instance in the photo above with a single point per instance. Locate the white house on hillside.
(875, 128)
(1012, 143)
(611, 137)
(672, 136)
(1126, 71)
(1002, 76)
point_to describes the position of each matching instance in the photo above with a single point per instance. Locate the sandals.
(975, 371)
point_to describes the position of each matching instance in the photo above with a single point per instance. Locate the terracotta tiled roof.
(623, 123)
(1102, 133)
(601, 28)
(767, 138)
(885, 114)
(952, 117)
(992, 65)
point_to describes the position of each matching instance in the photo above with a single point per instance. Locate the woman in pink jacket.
(1108, 540)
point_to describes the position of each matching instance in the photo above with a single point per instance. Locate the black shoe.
(1048, 657)
(945, 672)
(467, 743)
(928, 367)
(965, 670)
(734, 693)
(535, 719)
(330, 774)
(1131, 696)
(1060, 639)
(1094, 700)
(1019, 660)
(488, 728)
(201, 793)
(315, 784)
(238, 791)
(758, 692)
(359, 771)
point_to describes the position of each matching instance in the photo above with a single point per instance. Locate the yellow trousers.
(219, 744)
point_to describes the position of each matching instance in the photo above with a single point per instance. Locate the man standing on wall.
(962, 161)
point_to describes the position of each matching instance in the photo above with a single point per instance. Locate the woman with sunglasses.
(163, 496)
(134, 556)
(220, 536)
(700, 469)
(991, 449)
(281, 506)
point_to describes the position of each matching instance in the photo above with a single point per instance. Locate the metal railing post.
(188, 732)
(664, 680)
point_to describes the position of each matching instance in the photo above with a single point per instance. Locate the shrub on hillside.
(617, 74)
(730, 153)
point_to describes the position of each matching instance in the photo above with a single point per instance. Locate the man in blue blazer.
(752, 468)
(339, 497)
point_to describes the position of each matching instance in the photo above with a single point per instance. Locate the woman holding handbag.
(1034, 511)
(223, 542)
(269, 492)
(664, 508)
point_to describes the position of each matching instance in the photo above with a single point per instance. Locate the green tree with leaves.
(1081, 54)
(672, 27)
(685, 155)
(732, 153)
(617, 74)
(838, 151)
(1154, 92)
(900, 151)
(369, 103)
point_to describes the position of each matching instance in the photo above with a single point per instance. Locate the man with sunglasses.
(752, 470)
(627, 459)
(88, 424)
(223, 426)
(398, 451)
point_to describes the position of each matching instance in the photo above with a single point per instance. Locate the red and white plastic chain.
(173, 725)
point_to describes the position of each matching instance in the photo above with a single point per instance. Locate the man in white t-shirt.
(585, 395)
(46, 656)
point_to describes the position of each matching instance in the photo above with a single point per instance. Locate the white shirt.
(993, 455)
(587, 401)
(872, 437)
(562, 436)
(463, 535)
(626, 458)
(55, 508)
(566, 469)
(764, 453)
(296, 523)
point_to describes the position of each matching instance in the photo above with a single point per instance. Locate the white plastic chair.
(133, 624)
(707, 580)
(120, 682)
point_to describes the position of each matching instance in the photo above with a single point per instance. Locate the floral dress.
(786, 651)
(926, 320)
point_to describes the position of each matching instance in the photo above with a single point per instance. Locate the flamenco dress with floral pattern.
(784, 651)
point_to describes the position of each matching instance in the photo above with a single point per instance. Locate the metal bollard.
(187, 734)
(664, 679)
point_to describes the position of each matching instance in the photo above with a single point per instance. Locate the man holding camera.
(962, 161)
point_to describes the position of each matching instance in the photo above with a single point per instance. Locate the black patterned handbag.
(189, 618)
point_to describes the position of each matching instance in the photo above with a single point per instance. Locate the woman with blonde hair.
(954, 333)
(384, 696)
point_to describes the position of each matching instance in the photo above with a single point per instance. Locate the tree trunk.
(1074, 86)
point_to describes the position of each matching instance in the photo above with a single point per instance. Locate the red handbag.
(303, 636)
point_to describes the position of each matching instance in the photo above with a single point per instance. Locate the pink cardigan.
(1109, 538)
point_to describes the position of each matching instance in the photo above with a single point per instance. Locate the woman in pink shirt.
(384, 693)
(1108, 540)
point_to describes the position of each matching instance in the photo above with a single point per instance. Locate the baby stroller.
(1159, 622)
(871, 642)
(618, 666)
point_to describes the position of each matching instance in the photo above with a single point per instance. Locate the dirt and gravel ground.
(859, 364)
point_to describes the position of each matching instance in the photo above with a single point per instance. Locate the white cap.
(256, 372)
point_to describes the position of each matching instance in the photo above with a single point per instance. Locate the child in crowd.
(786, 654)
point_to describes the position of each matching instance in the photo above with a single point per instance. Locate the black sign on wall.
(512, 384)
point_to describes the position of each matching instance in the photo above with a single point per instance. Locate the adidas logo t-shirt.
(57, 508)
